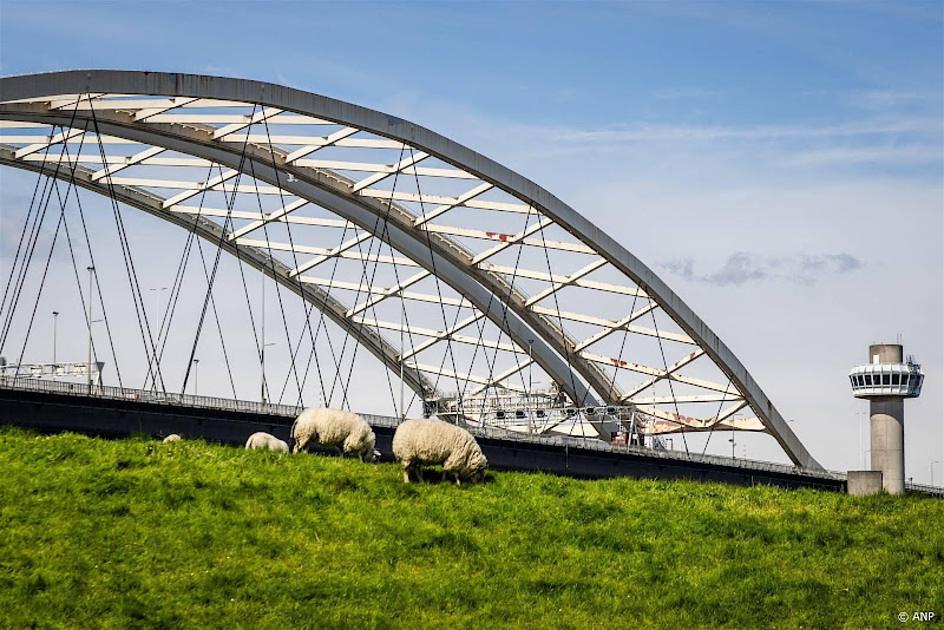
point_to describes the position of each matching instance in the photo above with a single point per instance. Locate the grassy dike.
(135, 533)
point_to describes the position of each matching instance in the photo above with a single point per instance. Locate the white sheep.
(266, 442)
(343, 430)
(173, 437)
(425, 442)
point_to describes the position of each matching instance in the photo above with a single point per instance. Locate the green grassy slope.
(116, 533)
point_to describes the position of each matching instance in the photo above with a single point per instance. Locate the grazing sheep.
(423, 442)
(173, 437)
(266, 442)
(343, 430)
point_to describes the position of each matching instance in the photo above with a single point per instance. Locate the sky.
(778, 164)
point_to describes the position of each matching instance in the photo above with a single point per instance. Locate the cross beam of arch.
(315, 155)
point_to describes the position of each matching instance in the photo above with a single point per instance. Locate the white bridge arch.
(538, 285)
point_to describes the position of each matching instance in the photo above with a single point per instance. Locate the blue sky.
(778, 163)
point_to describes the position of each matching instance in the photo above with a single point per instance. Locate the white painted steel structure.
(368, 216)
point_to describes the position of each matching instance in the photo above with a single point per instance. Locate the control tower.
(886, 380)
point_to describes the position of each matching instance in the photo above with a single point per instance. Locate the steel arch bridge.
(488, 278)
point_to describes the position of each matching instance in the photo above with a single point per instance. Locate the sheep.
(424, 442)
(266, 442)
(343, 430)
(173, 437)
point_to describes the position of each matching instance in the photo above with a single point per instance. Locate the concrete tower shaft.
(886, 380)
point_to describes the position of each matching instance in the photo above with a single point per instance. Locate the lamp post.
(530, 387)
(88, 366)
(196, 376)
(55, 326)
(264, 346)
(733, 455)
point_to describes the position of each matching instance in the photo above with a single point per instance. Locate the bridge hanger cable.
(313, 353)
(432, 259)
(668, 377)
(293, 369)
(711, 431)
(379, 238)
(34, 231)
(306, 304)
(98, 290)
(511, 288)
(177, 289)
(52, 248)
(33, 205)
(98, 287)
(501, 330)
(619, 356)
(227, 223)
(20, 266)
(560, 325)
(144, 326)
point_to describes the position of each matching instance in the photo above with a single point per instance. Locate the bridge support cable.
(34, 232)
(33, 205)
(78, 284)
(565, 343)
(449, 349)
(293, 369)
(144, 327)
(227, 225)
(42, 281)
(508, 297)
(177, 287)
(380, 238)
(668, 377)
(98, 288)
(54, 185)
(717, 418)
(20, 267)
(306, 305)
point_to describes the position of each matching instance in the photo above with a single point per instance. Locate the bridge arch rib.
(187, 114)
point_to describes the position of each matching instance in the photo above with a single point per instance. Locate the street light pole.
(264, 346)
(55, 326)
(88, 366)
(530, 387)
(733, 455)
(196, 376)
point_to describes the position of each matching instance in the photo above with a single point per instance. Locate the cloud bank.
(744, 267)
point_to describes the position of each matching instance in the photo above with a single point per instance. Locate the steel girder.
(527, 322)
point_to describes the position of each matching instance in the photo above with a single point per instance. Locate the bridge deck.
(114, 412)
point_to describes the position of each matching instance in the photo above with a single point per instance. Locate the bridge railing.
(291, 411)
(148, 396)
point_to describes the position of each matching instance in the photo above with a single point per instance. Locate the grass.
(97, 533)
